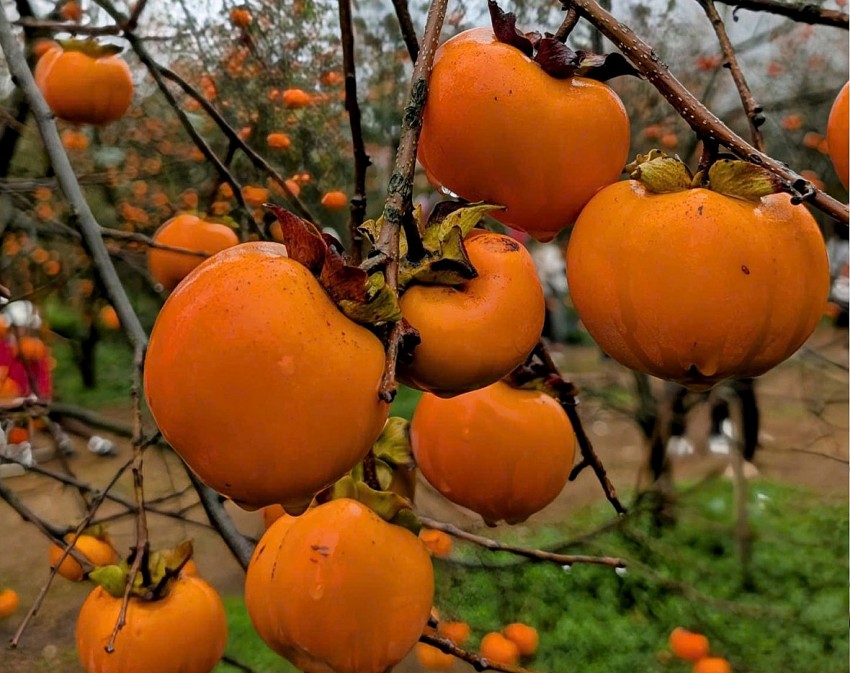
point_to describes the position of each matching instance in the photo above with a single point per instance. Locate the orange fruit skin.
(499, 451)
(688, 645)
(837, 134)
(524, 637)
(437, 542)
(82, 89)
(97, 551)
(108, 317)
(186, 631)
(240, 17)
(17, 435)
(712, 665)
(9, 601)
(339, 590)
(296, 98)
(250, 334)
(433, 658)
(478, 333)
(191, 233)
(271, 513)
(457, 632)
(497, 648)
(694, 286)
(497, 128)
(335, 200)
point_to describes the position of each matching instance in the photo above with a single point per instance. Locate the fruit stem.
(570, 21)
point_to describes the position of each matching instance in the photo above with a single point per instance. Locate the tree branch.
(408, 32)
(704, 123)
(805, 12)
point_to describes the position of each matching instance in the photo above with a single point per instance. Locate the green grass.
(793, 618)
(114, 360)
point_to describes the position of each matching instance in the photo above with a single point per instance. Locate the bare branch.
(804, 12)
(408, 32)
(704, 123)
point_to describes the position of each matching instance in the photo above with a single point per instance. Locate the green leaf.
(113, 579)
(390, 506)
(741, 179)
(381, 305)
(465, 218)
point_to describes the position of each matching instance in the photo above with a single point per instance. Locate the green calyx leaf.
(390, 506)
(393, 444)
(90, 48)
(379, 305)
(741, 179)
(659, 173)
(113, 578)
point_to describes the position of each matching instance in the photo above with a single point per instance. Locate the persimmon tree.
(272, 364)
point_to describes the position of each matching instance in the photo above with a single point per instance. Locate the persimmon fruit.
(495, 647)
(837, 134)
(339, 590)
(334, 200)
(184, 631)
(695, 286)
(432, 658)
(250, 334)
(497, 128)
(502, 452)
(437, 542)
(688, 645)
(9, 601)
(712, 665)
(169, 267)
(477, 333)
(99, 553)
(85, 88)
(525, 637)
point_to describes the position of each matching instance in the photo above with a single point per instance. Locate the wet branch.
(805, 12)
(408, 32)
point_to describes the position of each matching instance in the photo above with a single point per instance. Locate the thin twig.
(408, 32)
(398, 207)
(751, 107)
(803, 12)
(361, 158)
(80, 528)
(566, 27)
(136, 12)
(534, 554)
(141, 548)
(704, 123)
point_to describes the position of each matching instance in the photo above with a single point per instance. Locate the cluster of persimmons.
(266, 363)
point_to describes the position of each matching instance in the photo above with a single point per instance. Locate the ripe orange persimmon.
(296, 98)
(31, 349)
(457, 632)
(272, 513)
(278, 141)
(339, 589)
(185, 631)
(525, 637)
(83, 88)
(688, 645)
(712, 665)
(9, 601)
(437, 542)
(108, 317)
(308, 371)
(71, 11)
(497, 128)
(837, 134)
(98, 552)
(499, 451)
(241, 17)
(41, 46)
(335, 200)
(694, 286)
(497, 648)
(255, 196)
(433, 658)
(189, 232)
(475, 334)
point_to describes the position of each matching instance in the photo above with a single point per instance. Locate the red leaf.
(303, 241)
(340, 280)
(504, 26)
(556, 58)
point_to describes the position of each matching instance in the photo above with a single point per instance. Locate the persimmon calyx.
(390, 506)
(392, 453)
(663, 174)
(90, 48)
(553, 56)
(443, 260)
(365, 298)
(151, 583)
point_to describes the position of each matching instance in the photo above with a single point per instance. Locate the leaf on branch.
(393, 444)
(380, 305)
(603, 67)
(113, 579)
(341, 280)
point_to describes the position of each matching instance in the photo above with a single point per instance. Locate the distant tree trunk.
(86, 356)
(654, 419)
